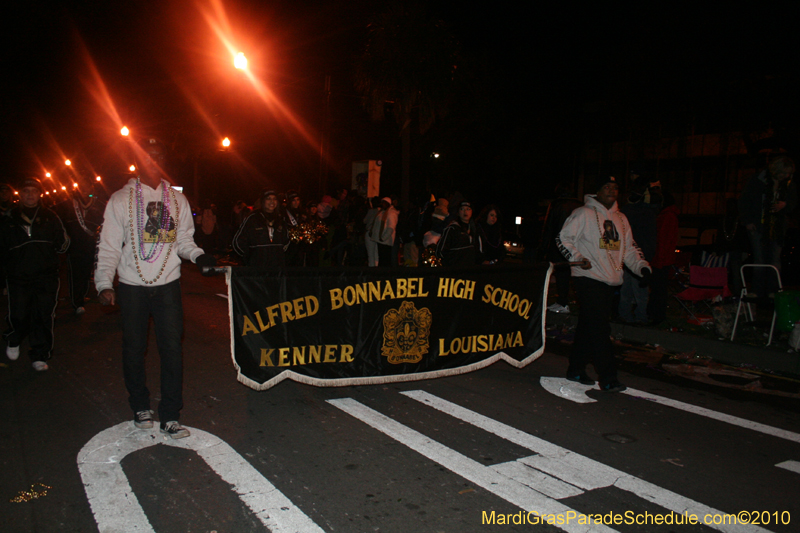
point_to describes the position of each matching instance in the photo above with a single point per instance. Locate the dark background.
(537, 85)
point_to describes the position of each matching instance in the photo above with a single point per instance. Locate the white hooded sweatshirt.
(120, 234)
(603, 236)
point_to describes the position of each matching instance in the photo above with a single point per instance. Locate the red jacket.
(667, 228)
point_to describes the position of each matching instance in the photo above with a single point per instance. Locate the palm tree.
(409, 63)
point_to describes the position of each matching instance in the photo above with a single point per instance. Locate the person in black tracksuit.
(31, 236)
(460, 244)
(263, 238)
(82, 217)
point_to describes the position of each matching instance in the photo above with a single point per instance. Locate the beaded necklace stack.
(137, 233)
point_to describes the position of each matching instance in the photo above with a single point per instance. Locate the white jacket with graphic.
(581, 236)
(115, 249)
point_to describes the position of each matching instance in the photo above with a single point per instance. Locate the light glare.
(124, 131)
(240, 61)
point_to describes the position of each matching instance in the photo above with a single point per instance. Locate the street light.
(240, 61)
(98, 178)
(46, 174)
(124, 131)
(226, 142)
(132, 168)
(68, 162)
(74, 185)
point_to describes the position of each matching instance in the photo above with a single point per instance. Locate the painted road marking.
(569, 390)
(575, 469)
(116, 508)
(792, 466)
(510, 490)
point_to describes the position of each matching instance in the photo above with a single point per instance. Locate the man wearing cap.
(148, 261)
(382, 232)
(598, 237)
(31, 236)
(263, 238)
(460, 244)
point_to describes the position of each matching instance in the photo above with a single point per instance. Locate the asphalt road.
(439, 455)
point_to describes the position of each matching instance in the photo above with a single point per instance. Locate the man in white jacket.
(383, 231)
(599, 237)
(147, 229)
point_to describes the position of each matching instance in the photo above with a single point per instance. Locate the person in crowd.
(763, 206)
(264, 236)
(557, 212)
(370, 244)
(598, 237)
(149, 268)
(460, 244)
(6, 198)
(491, 231)
(82, 216)
(240, 212)
(31, 237)
(209, 234)
(644, 204)
(294, 217)
(663, 259)
(382, 232)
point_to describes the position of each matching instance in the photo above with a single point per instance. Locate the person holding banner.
(264, 236)
(598, 237)
(460, 244)
(147, 256)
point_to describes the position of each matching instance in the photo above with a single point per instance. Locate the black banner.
(365, 326)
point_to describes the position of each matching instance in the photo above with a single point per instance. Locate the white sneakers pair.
(13, 353)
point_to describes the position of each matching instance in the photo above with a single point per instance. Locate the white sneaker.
(40, 366)
(80, 311)
(12, 352)
(558, 308)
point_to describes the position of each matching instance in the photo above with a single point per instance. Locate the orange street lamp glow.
(68, 162)
(124, 131)
(46, 174)
(63, 188)
(226, 142)
(132, 168)
(98, 178)
(74, 185)
(54, 191)
(240, 61)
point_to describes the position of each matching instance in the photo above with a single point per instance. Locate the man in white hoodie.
(147, 229)
(599, 237)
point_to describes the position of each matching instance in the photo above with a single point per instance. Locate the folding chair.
(748, 309)
(705, 283)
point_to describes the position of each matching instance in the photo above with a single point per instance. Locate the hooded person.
(263, 238)
(599, 238)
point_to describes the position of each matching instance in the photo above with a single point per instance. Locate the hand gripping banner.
(367, 326)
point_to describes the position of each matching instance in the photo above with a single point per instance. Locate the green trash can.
(787, 309)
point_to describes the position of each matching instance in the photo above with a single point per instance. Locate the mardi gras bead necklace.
(157, 246)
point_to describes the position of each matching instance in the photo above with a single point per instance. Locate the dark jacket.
(30, 247)
(255, 244)
(81, 225)
(460, 244)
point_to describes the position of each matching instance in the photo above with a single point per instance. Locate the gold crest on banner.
(405, 333)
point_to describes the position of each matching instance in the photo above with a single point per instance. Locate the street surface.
(450, 455)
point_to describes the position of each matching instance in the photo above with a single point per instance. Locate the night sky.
(539, 82)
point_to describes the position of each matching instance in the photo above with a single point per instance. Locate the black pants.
(31, 310)
(385, 252)
(80, 267)
(592, 338)
(657, 304)
(163, 303)
(563, 274)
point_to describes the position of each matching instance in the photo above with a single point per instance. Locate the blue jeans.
(163, 303)
(630, 294)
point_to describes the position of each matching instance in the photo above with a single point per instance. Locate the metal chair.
(748, 309)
